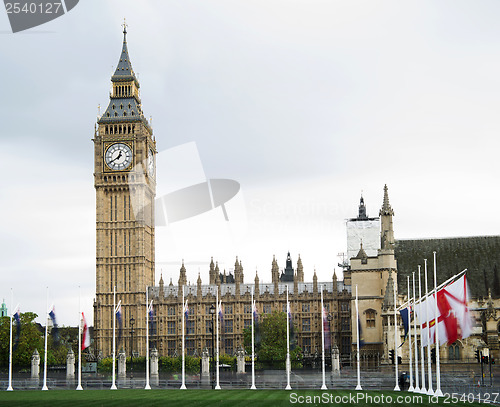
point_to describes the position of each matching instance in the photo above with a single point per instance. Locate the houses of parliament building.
(125, 180)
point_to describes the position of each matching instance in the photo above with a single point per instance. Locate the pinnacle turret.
(386, 206)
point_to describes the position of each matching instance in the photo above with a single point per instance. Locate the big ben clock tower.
(124, 180)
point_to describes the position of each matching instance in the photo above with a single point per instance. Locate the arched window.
(454, 351)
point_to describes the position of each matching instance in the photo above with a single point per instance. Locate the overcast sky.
(304, 103)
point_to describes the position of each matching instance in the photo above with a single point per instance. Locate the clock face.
(151, 162)
(118, 156)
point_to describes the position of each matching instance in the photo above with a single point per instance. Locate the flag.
(17, 318)
(454, 319)
(118, 312)
(55, 330)
(326, 328)
(256, 323)
(405, 317)
(151, 314)
(186, 310)
(457, 295)
(290, 323)
(361, 336)
(85, 333)
(186, 315)
(221, 314)
(255, 313)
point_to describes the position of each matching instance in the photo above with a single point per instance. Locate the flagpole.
(217, 385)
(423, 390)
(253, 345)
(46, 333)
(411, 388)
(455, 277)
(417, 384)
(396, 388)
(79, 387)
(358, 387)
(438, 393)
(183, 385)
(147, 387)
(10, 342)
(323, 387)
(288, 387)
(113, 383)
(430, 391)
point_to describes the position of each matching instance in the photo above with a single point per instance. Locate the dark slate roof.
(480, 255)
(124, 71)
(123, 107)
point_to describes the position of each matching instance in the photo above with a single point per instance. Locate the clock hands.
(116, 158)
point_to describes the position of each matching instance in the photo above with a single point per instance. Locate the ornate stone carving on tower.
(124, 180)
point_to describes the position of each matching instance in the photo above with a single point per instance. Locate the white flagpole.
(147, 387)
(183, 385)
(417, 384)
(423, 390)
(430, 391)
(438, 393)
(79, 387)
(358, 387)
(46, 333)
(253, 345)
(217, 385)
(411, 388)
(396, 388)
(10, 342)
(431, 293)
(288, 387)
(323, 387)
(113, 383)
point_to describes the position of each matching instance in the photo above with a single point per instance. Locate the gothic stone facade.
(305, 300)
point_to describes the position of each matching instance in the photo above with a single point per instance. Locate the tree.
(29, 340)
(271, 349)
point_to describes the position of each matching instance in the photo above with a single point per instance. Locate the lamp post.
(132, 321)
(212, 312)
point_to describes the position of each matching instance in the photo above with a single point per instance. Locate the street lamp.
(212, 312)
(132, 321)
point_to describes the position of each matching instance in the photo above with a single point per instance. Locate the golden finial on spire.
(124, 25)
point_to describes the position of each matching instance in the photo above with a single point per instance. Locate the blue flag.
(361, 337)
(405, 316)
(119, 318)
(17, 318)
(55, 330)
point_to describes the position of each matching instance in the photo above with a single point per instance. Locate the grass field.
(230, 398)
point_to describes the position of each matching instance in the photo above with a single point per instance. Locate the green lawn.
(230, 398)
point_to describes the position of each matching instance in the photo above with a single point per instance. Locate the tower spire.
(124, 25)
(386, 206)
(362, 209)
(387, 232)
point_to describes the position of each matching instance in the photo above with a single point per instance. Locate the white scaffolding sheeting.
(366, 231)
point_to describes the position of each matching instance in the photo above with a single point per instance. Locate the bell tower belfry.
(124, 180)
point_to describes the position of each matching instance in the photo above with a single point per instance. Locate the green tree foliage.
(31, 338)
(271, 348)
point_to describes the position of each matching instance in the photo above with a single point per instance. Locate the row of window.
(123, 91)
(119, 128)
